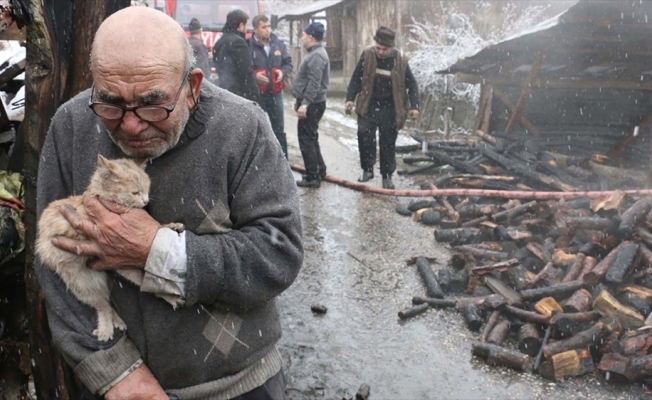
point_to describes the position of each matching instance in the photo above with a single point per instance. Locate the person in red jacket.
(272, 63)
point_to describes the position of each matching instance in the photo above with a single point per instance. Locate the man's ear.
(196, 77)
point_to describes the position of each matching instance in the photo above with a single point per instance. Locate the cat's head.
(122, 181)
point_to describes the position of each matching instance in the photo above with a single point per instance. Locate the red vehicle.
(211, 14)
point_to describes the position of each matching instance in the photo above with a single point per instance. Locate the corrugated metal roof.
(310, 9)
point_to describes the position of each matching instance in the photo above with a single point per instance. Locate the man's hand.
(302, 113)
(115, 237)
(414, 114)
(138, 385)
(348, 107)
(261, 77)
(279, 75)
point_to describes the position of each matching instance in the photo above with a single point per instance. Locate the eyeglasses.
(146, 112)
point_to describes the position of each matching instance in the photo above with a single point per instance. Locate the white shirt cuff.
(165, 269)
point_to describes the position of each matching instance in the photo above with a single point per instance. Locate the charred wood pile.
(559, 287)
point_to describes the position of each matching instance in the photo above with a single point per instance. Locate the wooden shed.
(579, 83)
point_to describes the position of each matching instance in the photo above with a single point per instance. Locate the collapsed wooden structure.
(578, 84)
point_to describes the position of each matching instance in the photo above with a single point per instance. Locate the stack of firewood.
(559, 287)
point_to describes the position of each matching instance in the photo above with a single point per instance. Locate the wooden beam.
(525, 95)
(546, 83)
(617, 149)
(484, 96)
(511, 107)
(485, 125)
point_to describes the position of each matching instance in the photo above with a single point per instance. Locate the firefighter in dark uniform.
(385, 93)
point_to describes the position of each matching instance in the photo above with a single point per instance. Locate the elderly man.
(198, 47)
(385, 92)
(309, 90)
(215, 166)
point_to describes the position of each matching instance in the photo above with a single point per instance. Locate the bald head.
(140, 37)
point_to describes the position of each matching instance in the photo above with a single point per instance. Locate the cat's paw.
(103, 335)
(118, 322)
(175, 226)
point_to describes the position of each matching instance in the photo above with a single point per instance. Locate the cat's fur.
(121, 181)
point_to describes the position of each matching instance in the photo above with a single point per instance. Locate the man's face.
(137, 87)
(306, 40)
(263, 30)
(381, 50)
(243, 27)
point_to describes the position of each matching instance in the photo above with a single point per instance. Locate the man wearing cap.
(232, 59)
(198, 47)
(385, 93)
(271, 63)
(309, 90)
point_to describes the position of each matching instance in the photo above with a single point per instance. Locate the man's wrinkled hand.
(115, 237)
(414, 114)
(138, 385)
(302, 113)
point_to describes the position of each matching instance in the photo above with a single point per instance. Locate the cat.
(124, 182)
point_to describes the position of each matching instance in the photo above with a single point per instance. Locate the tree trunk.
(58, 49)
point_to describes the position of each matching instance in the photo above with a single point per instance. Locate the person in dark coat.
(198, 47)
(272, 63)
(385, 94)
(232, 59)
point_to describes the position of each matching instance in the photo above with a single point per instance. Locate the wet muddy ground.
(355, 251)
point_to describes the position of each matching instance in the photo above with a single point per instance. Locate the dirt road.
(355, 251)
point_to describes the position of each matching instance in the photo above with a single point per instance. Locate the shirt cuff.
(166, 266)
(117, 380)
(305, 103)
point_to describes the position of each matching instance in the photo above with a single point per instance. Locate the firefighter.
(385, 93)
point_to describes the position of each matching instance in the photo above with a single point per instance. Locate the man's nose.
(132, 124)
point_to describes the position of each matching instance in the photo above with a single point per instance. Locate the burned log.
(622, 262)
(511, 296)
(472, 316)
(539, 251)
(587, 266)
(568, 363)
(547, 306)
(432, 286)
(491, 322)
(584, 339)
(529, 339)
(497, 267)
(634, 346)
(548, 270)
(528, 316)
(607, 305)
(459, 236)
(635, 302)
(574, 270)
(512, 212)
(579, 302)
(630, 218)
(482, 253)
(496, 355)
(592, 223)
(458, 165)
(555, 291)
(601, 268)
(434, 303)
(614, 364)
(444, 278)
(517, 277)
(639, 368)
(499, 332)
(568, 324)
(413, 311)
(476, 210)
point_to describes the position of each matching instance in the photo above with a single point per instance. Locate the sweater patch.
(216, 221)
(222, 331)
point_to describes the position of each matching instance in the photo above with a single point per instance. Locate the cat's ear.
(101, 161)
(141, 162)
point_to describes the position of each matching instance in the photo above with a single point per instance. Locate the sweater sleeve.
(261, 255)
(412, 89)
(96, 363)
(355, 84)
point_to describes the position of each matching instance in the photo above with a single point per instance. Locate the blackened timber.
(607, 225)
(458, 165)
(645, 235)
(538, 277)
(559, 173)
(444, 278)
(491, 322)
(482, 253)
(528, 316)
(415, 159)
(413, 311)
(539, 251)
(639, 367)
(498, 286)
(623, 260)
(434, 303)
(546, 337)
(473, 317)
(517, 277)
(633, 301)
(512, 212)
(580, 301)
(529, 339)
(601, 268)
(559, 290)
(432, 286)
(476, 210)
(591, 336)
(569, 363)
(524, 170)
(569, 324)
(418, 170)
(460, 236)
(630, 218)
(607, 305)
(500, 266)
(575, 268)
(474, 222)
(634, 346)
(499, 332)
(497, 355)
(588, 265)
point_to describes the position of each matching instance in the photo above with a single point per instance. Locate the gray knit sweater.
(231, 187)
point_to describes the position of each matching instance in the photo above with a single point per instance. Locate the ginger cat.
(121, 181)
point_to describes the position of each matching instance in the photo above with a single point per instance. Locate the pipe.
(505, 194)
